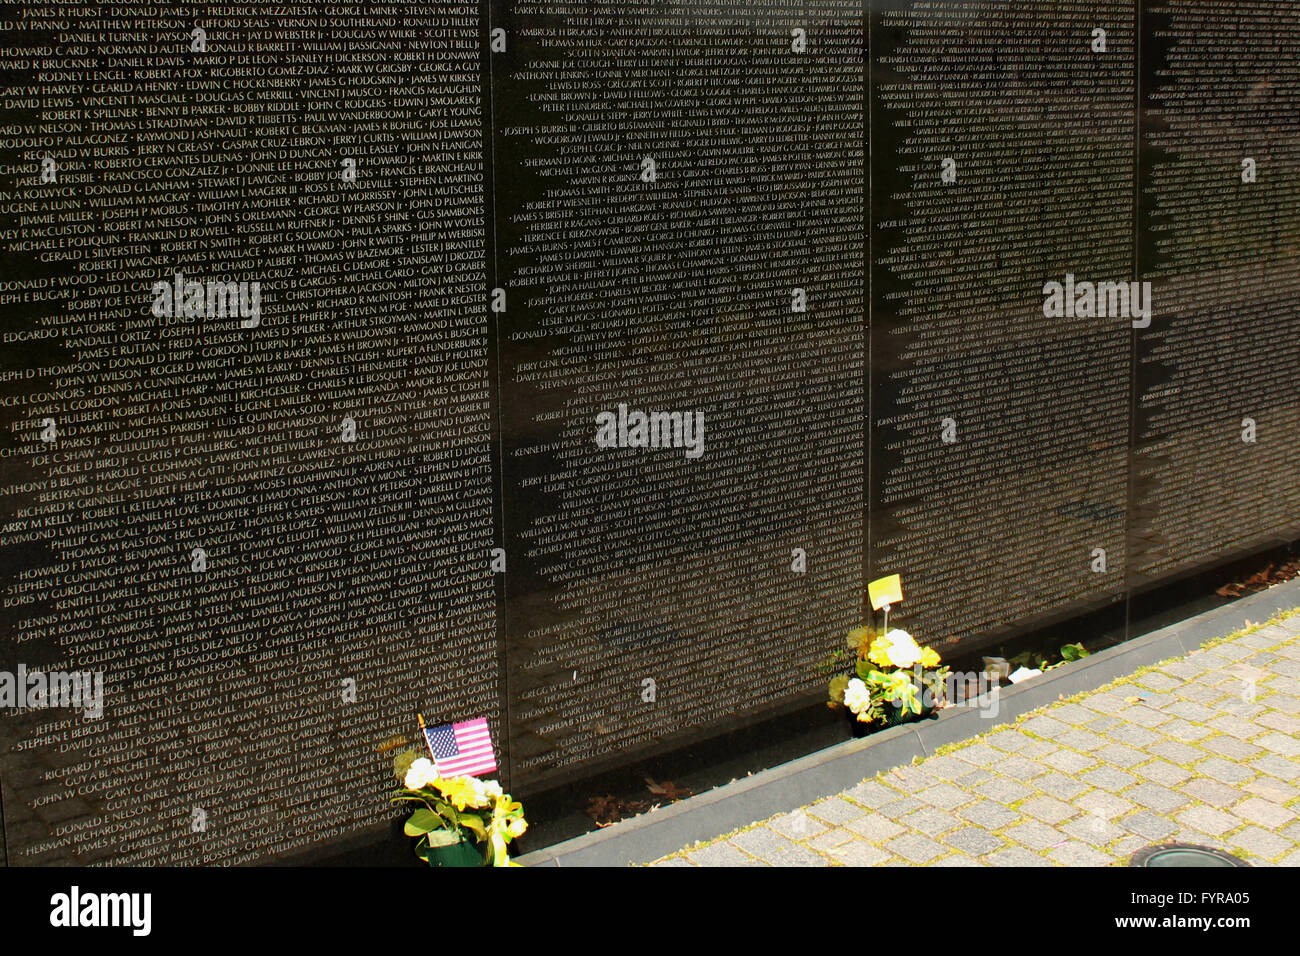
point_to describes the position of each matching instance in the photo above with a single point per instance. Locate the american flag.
(461, 750)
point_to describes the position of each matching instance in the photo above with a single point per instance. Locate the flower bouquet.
(894, 679)
(455, 813)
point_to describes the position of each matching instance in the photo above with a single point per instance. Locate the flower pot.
(464, 853)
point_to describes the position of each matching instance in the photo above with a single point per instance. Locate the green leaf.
(472, 822)
(442, 837)
(422, 822)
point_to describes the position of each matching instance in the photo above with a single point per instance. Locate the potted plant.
(894, 679)
(454, 814)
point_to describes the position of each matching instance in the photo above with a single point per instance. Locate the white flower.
(421, 773)
(902, 651)
(483, 790)
(856, 696)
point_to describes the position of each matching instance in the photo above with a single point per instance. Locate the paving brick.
(860, 854)
(1176, 752)
(1003, 790)
(946, 767)
(1208, 820)
(1048, 809)
(1213, 792)
(718, 854)
(974, 840)
(1019, 768)
(1060, 786)
(1147, 824)
(835, 810)
(1185, 731)
(909, 779)
(1272, 789)
(1076, 853)
(1280, 744)
(989, 814)
(1236, 706)
(1161, 771)
(957, 859)
(1008, 740)
(1103, 804)
(767, 845)
(1260, 842)
(915, 848)
(1044, 726)
(1120, 755)
(675, 861)
(1155, 797)
(798, 825)
(1263, 812)
(1093, 829)
(1223, 771)
(1072, 714)
(978, 755)
(828, 840)
(1125, 847)
(1181, 669)
(1132, 735)
(1189, 710)
(1235, 750)
(1016, 856)
(795, 855)
(1282, 722)
(945, 797)
(900, 808)
(1081, 740)
(1235, 727)
(1109, 779)
(1038, 749)
(1275, 766)
(1104, 702)
(1141, 715)
(930, 821)
(875, 828)
(1157, 681)
(1069, 762)
(1035, 835)
(871, 793)
(970, 780)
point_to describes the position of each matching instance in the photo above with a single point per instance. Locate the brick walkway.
(1203, 749)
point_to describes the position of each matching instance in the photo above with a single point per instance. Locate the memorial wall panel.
(680, 239)
(246, 417)
(1215, 462)
(1002, 160)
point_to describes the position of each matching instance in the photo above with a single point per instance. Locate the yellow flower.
(879, 652)
(859, 639)
(463, 792)
(930, 657)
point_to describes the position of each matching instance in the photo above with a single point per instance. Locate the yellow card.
(884, 591)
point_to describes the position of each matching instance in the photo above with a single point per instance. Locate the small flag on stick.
(460, 750)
